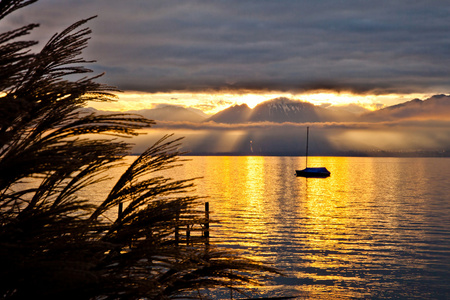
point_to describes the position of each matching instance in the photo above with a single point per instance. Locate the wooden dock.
(192, 232)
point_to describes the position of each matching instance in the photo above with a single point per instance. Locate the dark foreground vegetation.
(56, 245)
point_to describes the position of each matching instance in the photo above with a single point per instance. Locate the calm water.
(378, 228)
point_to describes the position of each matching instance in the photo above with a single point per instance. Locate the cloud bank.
(361, 46)
(396, 138)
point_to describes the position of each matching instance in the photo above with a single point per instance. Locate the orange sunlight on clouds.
(211, 103)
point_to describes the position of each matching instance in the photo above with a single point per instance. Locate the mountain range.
(164, 113)
(436, 107)
(282, 110)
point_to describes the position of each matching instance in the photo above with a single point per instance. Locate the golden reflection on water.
(330, 227)
(346, 236)
(338, 237)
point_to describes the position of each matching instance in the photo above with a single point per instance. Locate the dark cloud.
(359, 46)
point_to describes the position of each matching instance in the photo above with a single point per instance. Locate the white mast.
(307, 138)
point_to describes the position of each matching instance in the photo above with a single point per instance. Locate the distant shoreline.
(437, 154)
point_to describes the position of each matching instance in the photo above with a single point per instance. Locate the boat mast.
(307, 137)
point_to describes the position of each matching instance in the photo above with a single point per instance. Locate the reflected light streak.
(371, 226)
(239, 179)
(334, 225)
(330, 223)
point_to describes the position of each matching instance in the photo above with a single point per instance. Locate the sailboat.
(311, 172)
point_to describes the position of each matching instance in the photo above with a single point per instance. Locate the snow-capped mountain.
(285, 110)
(280, 110)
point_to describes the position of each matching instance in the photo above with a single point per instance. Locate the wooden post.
(188, 234)
(206, 232)
(120, 209)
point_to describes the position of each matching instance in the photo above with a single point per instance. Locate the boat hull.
(313, 172)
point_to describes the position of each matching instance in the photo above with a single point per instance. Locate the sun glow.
(213, 102)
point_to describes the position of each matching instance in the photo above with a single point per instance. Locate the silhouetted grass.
(56, 245)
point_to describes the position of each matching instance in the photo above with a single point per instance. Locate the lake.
(377, 228)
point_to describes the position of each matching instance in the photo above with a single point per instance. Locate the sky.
(212, 54)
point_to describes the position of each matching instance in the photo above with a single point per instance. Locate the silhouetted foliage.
(56, 244)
